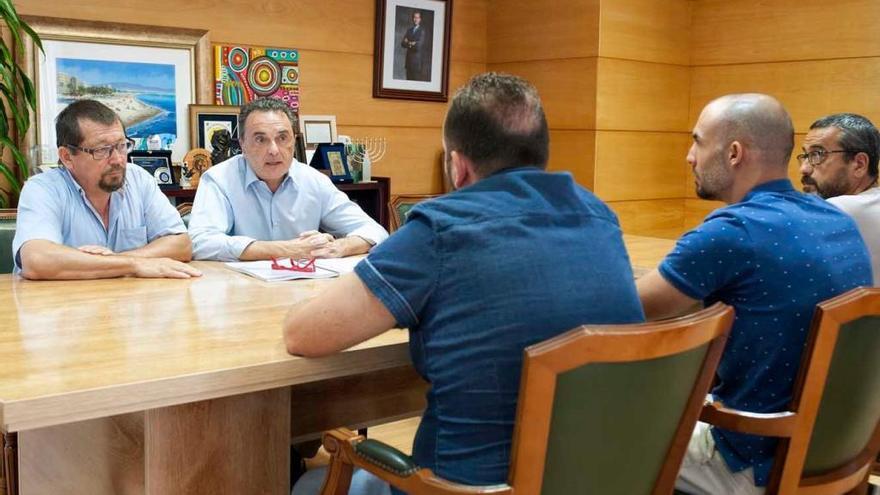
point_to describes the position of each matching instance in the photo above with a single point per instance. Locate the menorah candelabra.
(366, 152)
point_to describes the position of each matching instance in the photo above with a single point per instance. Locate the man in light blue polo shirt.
(97, 217)
(264, 204)
(773, 253)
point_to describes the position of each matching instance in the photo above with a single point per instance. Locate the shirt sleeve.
(210, 222)
(402, 272)
(710, 257)
(40, 216)
(342, 217)
(160, 217)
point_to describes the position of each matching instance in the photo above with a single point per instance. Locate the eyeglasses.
(816, 157)
(104, 152)
(295, 266)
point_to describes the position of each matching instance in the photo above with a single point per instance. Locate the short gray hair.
(268, 104)
(857, 135)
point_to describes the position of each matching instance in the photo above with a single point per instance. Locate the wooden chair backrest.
(610, 409)
(835, 437)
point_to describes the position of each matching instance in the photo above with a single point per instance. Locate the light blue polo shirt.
(53, 207)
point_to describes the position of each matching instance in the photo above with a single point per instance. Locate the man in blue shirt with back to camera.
(96, 216)
(514, 256)
(264, 204)
(773, 253)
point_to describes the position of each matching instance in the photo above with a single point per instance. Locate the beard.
(809, 185)
(109, 182)
(834, 186)
(715, 179)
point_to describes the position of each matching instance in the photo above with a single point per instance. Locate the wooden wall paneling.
(413, 159)
(99, 457)
(522, 30)
(696, 210)
(640, 165)
(246, 436)
(808, 89)
(567, 88)
(469, 21)
(341, 84)
(337, 25)
(641, 96)
(575, 152)
(653, 218)
(348, 95)
(725, 32)
(646, 30)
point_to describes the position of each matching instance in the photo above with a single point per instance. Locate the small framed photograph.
(411, 60)
(316, 129)
(157, 163)
(331, 158)
(207, 120)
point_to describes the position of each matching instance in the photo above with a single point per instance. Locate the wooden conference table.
(167, 386)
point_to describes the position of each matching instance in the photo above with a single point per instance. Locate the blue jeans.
(362, 483)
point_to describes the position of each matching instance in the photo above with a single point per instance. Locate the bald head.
(759, 122)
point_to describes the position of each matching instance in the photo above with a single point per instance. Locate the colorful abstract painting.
(243, 74)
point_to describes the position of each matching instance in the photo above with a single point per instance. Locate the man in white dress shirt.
(264, 204)
(839, 163)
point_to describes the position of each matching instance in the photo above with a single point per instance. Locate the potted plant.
(19, 99)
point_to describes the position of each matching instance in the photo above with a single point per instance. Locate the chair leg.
(10, 462)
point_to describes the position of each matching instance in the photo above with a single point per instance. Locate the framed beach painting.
(147, 74)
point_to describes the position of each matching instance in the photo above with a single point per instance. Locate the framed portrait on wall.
(148, 75)
(412, 49)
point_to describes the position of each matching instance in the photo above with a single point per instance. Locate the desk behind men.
(165, 386)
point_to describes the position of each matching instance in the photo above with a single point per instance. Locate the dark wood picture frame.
(391, 78)
(200, 114)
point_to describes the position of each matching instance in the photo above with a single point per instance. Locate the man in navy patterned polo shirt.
(772, 253)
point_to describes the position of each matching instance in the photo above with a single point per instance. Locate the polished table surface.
(86, 349)
(183, 386)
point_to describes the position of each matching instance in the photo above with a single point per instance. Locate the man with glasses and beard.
(95, 216)
(773, 253)
(839, 163)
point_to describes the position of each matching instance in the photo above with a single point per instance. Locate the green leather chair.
(7, 233)
(830, 436)
(602, 410)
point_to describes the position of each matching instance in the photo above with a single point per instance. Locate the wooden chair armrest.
(780, 424)
(348, 450)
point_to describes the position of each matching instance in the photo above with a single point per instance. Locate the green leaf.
(33, 35)
(17, 155)
(30, 92)
(4, 126)
(15, 183)
(20, 118)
